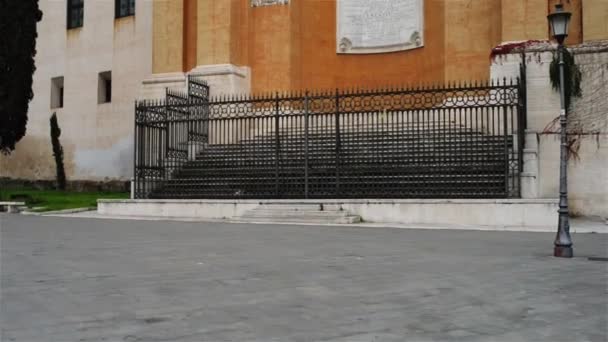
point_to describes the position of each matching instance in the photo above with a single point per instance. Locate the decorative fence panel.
(458, 141)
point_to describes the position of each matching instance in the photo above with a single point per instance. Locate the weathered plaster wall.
(587, 178)
(589, 113)
(97, 138)
(587, 120)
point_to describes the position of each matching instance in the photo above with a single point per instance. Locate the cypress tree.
(18, 34)
(57, 152)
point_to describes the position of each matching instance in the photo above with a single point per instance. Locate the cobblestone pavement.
(82, 279)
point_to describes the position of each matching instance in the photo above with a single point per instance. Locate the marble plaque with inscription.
(376, 26)
(260, 3)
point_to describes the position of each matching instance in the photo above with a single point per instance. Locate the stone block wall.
(587, 125)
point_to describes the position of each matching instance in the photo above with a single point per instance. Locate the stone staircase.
(309, 213)
(442, 162)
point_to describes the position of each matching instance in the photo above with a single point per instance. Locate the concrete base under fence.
(522, 213)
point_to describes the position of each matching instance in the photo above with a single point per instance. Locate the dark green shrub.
(57, 152)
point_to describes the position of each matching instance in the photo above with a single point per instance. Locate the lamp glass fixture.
(560, 21)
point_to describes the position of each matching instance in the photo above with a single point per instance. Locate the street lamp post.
(560, 21)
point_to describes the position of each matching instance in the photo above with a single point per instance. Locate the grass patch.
(49, 200)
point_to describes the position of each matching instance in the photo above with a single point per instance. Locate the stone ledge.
(594, 46)
(219, 70)
(484, 212)
(343, 201)
(172, 77)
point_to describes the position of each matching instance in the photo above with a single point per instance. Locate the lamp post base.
(563, 252)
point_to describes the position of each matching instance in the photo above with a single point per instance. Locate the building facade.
(95, 58)
(90, 62)
(263, 46)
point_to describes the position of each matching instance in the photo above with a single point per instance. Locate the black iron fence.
(457, 141)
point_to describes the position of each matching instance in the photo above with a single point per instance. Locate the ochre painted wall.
(472, 29)
(321, 67)
(524, 19)
(595, 19)
(214, 32)
(292, 47)
(190, 34)
(270, 43)
(167, 41)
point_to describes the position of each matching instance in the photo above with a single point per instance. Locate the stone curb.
(57, 212)
(599, 228)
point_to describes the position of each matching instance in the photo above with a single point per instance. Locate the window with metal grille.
(124, 8)
(75, 13)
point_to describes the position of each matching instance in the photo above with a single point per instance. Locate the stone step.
(290, 213)
(357, 141)
(254, 182)
(299, 213)
(303, 219)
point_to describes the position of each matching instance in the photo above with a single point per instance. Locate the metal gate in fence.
(457, 141)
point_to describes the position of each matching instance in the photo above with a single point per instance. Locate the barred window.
(124, 8)
(75, 13)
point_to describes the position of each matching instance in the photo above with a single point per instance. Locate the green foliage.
(572, 76)
(18, 34)
(47, 200)
(57, 152)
